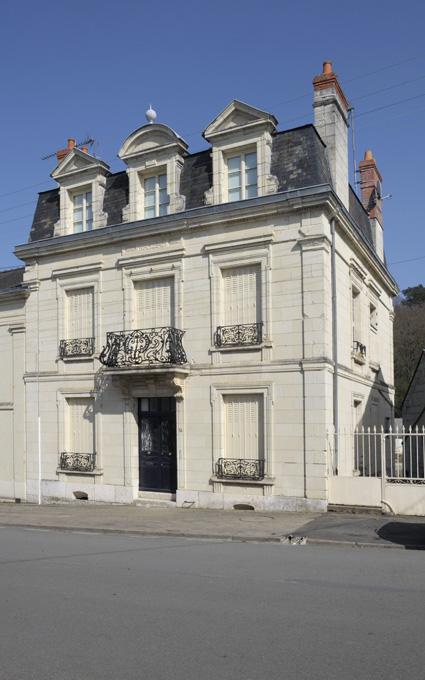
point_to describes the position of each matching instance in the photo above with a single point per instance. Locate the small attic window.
(82, 211)
(242, 176)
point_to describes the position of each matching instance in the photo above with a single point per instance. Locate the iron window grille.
(240, 468)
(358, 348)
(239, 335)
(147, 346)
(80, 347)
(80, 462)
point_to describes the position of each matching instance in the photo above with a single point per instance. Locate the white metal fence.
(365, 452)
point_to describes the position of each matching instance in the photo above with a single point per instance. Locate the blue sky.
(92, 68)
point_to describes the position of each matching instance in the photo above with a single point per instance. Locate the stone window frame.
(76, 278)
(62, 397)
(218, 391)
(233, 254)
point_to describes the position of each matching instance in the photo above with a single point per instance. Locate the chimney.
(85, 149)
(61, 154)
(370, 183)
(331, 122)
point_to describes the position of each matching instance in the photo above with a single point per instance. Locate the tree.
(414, 295)
(409, 341)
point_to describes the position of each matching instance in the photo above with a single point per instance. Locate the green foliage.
(409, 341)
(414, 295)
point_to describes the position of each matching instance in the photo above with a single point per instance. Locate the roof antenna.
(150, 115)
(88, 142)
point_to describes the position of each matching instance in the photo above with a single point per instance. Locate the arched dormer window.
(154, 155)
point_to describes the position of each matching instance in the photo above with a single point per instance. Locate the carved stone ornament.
(126, 213)
(272, 184)
(208, 196)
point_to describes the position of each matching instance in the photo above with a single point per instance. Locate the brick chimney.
(60, 155)
(370, 183)
(331, 122)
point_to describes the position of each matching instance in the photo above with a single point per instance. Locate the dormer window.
(154, 155)
(242, 176)
(156, 199)
(83, 212)
(241, 139)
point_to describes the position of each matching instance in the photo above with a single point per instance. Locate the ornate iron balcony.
(239, 335)
(358, 348)
(80, 347)
(80, 462)
(239, 468)
(147, 346)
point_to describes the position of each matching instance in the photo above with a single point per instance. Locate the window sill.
(241, 348)
(267, 481)
(85, 357)
(358, 358)
(374, 366)
(91, 473)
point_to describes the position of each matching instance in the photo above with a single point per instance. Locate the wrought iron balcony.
(240, 468)
(146, 346)
(358, 348)
(79, 347)
(78, 462)
(239, 335)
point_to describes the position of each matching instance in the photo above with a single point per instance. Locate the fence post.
(383, 468)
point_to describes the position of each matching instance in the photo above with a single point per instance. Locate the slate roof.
(299, 160)
(12, 278)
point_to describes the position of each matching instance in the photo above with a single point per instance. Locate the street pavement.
(332, 528)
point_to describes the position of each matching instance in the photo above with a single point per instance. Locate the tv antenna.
(88, 142)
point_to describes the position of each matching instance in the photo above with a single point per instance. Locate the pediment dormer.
(241, 139)
(239, 115)
(76, 163)
(154, 155)
(82, 180)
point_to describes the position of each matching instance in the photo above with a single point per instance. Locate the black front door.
(157, 444)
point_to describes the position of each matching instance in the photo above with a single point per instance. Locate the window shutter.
(81, 425)
(244, 426)
(242, 295)
(155, 303)
(80, 313)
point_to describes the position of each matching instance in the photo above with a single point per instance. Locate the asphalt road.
(116, 607)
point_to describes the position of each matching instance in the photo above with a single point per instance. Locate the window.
(156, 199)
(244, 419)
(80, 313)
(80, 425)
(155, 303)
(242, 295)
(242, 176)
(82, 212)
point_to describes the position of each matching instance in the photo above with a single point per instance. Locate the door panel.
(157, 445)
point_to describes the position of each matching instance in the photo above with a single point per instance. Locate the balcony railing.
(240, 468)
(79, 347)
(78, 462)
(239, 335)
(359, 349)
(147, 346)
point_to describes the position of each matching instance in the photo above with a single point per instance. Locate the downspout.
(335, 347)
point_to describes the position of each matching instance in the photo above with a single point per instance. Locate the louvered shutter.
(80, 313)
(81, 425)
(244, 419)
(155, 303)
(242, 298)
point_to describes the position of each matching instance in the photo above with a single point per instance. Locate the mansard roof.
(12, 278)
(299, 160)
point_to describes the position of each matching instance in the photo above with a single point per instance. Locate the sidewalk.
(237, 525)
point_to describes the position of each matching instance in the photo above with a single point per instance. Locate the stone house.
(189, 330)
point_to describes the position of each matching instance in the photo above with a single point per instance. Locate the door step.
(150, 499)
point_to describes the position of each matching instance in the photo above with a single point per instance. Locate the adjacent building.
(189, 330)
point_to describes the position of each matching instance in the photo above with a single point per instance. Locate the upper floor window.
(242, 176)
(82, 212)
(156, 199)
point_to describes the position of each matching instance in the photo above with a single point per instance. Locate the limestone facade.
(285, 306)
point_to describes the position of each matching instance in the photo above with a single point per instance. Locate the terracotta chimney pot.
(84, 148)
(327, 67)
(71, 144)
